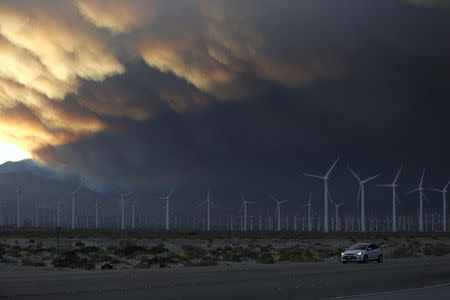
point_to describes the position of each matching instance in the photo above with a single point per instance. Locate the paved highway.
(393, 279)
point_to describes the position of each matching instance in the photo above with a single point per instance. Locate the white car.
(362, 253)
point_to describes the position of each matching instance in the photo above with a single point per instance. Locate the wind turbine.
(97, 224)
(325, 193)
(208, 207)
(244, 204)
(133, 205)
(309, 211)
(19, 199)
(36, 205)
(74, 194)
(420, 189)
(362, 192)
(122, 204)
(167, 198)
(336, 207)
(394, 200)
(444, 205)
(278, 211)
(58, 212)
(2, 217)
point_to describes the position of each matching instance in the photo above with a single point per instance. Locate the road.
(402, 279)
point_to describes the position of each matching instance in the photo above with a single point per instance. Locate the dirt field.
(206, 235)
(115, 249)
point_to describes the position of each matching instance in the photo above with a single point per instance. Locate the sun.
(10, 152)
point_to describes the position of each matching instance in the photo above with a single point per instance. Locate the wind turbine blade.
(415, 190)
(371, 178)
(170, 193)
(332, 167)
(425, 197)
(398, 174)
(314, 176)
(76, 190)
(329, 197)
(421, 179)
(436, 190)
(445, 188)
(283, 201)
(127, 194)
(242, 196)
(396, 198)
(274, 199)
(385, 185)
(357, 198)
(354, 174)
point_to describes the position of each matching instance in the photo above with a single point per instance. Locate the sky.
(241, 95)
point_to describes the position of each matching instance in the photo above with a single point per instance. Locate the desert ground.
(144, 264)
(41, 249)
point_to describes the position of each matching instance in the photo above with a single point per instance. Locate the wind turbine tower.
(97, 224)
(74, 194)
(362, 192)
(167, 198)
(19, 199)
(394, 200)
(336, 207)
(122, 204)
(208, 208)
(278, 211)
(244, 204)
(420, 189)
(133, 205)
(58, 212)
(37, 215)
(325, 193)
(2, 217)
(309, 211)
(444, 206)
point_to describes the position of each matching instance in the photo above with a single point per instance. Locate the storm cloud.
(150, 90)
(51, 50)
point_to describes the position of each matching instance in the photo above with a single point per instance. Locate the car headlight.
(359, 253)
(342, 254)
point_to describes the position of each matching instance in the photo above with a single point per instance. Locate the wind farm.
(224, 149)
(354, 216)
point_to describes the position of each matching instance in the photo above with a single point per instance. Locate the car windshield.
(358, 247)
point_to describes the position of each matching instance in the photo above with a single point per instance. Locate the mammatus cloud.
(431, 3)
(56, 36)
(31, 120)
(60, 60)
(119, 16)
(23, 67)
(46, 53)
(225, 45)
(73, 70)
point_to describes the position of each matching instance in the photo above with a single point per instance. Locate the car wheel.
(380, 259)
(366, 259)
(344, 262)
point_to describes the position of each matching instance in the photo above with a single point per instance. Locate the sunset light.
(10, 152)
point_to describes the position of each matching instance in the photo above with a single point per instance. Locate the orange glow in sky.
(10, 152)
